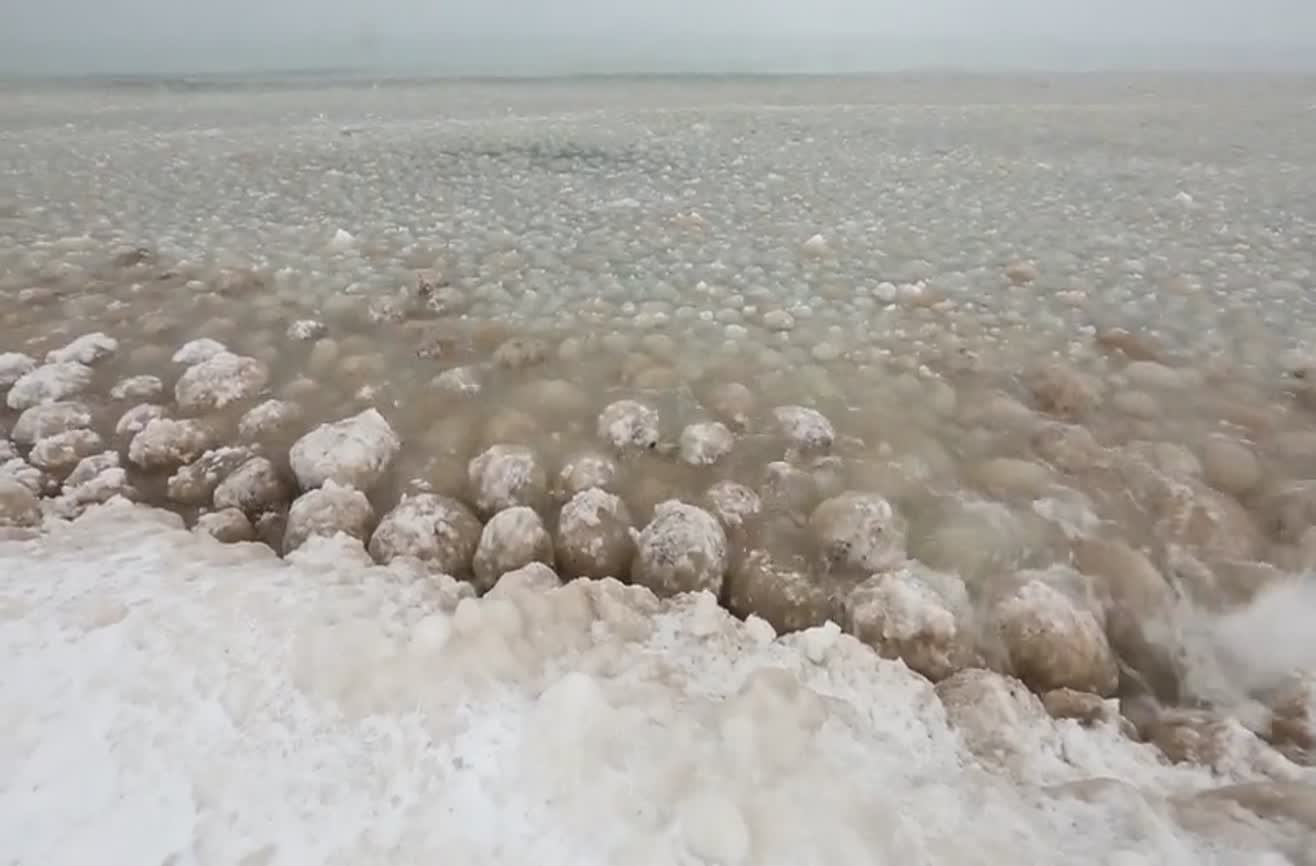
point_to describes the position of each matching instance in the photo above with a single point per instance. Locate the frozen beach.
(706, 471)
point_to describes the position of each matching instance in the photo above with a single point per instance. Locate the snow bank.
(168, 699)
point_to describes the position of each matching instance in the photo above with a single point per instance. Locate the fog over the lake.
(512, 36)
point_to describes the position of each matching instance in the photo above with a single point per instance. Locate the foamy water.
(954, 437)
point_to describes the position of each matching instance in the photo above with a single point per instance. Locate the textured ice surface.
(170, 698)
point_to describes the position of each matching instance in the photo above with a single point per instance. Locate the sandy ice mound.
(172, 700)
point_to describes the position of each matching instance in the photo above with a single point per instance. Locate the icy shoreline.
(173, 700)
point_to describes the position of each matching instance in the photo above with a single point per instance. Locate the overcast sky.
(1171, 20)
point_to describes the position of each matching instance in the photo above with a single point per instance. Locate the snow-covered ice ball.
(229, 526)
(58, 454)
(584, 471)
(1062, 391)
(1083, 707)
(1156, 376)
(437, 530)
(732, 403)
(87, 349)
(805, 430)
(19, 470)
(991, 712)
(14, 366)
(90, 467)
(198, 351)
(683, 549)
(513, 538)
(858, 532)
(326, 511)
(732, 503)
(816, 246)
(1293, 718)
(533, 578)
(51, 383)
(1054, 643)
(1011, 477)
(458, 380)
(505, 476)
(595, 537)
(255, 486)
(1230, 466)
(134, 421)
(165, 443)
(19, 506)
(916, 615)
(781, 590)
(520, 352)
(706, 443)
(1067, 447)
(1021, 273)
(269, 419)
(778, 320)
(357, 451)
(628, 424)
(95, 480)
(48, 419)
(219, 381)
(195, 483)
(305, 330)
(137, 388)
(790, 489)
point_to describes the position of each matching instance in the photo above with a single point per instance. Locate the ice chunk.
(327, 511)
(51, 383)
(513, 538)
(437, 530)
(14, 366)
(628, 424)
(198, 351)
(87, 349)
(48, 419)
(683, 549)
(356, 451)
(595, 536)
(165, 443)
(505, 476)
(19, 506)
(220, 380)
(706, 443)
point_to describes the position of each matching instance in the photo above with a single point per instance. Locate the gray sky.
(1292, 21)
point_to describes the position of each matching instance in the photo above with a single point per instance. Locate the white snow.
(169, 699)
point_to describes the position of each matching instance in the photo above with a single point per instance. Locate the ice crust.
(169, 699)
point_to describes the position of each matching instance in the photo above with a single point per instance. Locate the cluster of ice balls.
(1045, 629)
